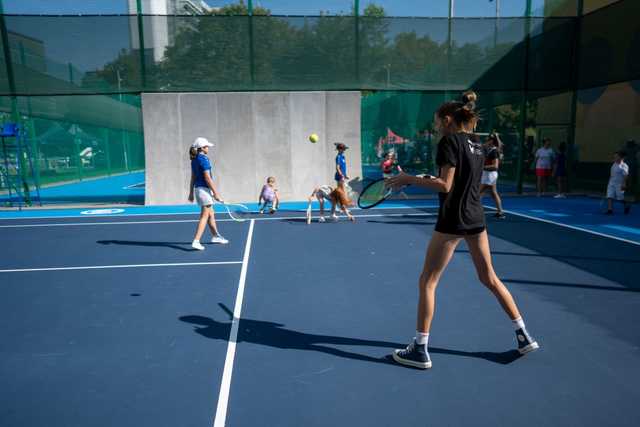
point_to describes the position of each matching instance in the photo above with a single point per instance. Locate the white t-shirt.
(544, 158)
(325, 192)
(619, 172)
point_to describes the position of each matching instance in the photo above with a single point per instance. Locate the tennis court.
(122, 122)
(114, 320)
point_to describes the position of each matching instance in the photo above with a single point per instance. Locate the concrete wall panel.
(272, 140)
(255, 135)
(308, 115)
(343, 125)
(235, 152)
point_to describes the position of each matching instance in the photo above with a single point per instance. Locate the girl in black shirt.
(460, 216)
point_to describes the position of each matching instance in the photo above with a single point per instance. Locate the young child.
(617, 182)
(336, 197)
(544, 165)
(269, 196)
(201, 186)
(389, 164)
(489, 179)
(341, 165)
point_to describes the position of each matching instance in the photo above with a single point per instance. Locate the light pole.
(125, 145)
(388, 68)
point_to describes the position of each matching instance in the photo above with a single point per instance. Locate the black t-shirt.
(490, 155)
(461, 211)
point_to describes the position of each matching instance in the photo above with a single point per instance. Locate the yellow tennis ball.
(313, 138)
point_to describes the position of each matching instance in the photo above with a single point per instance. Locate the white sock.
(422, 338)
(518, 323)
(196, 241)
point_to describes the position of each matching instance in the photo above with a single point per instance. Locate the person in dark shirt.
(489, 180)
(460, 216)
(560, 170)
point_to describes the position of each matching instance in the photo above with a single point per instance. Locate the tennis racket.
(377, 192)
(236, 211)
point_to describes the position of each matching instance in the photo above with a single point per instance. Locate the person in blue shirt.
(341, 165)
(201, 189)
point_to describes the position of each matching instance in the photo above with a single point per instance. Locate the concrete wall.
(255, 135)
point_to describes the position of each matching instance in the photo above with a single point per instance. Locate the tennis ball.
(313, 138)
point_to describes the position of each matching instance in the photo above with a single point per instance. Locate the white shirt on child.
(619, 172)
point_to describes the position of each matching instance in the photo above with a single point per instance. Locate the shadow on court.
(607, 258)
(405, 222)
(180, 246)
(560, 256)
(276, 335)
(570, 285)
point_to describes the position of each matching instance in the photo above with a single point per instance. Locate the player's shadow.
(173, 245)
(296, 220)
(276, 335)
(429, 221)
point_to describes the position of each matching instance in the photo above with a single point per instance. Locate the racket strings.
(373, 194)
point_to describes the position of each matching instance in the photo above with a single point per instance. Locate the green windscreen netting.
(73, 54)
(104, 54)
(402, 122)
(78, 78)
(72, 139)
(610, 45)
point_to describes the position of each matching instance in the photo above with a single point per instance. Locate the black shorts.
(458, 232)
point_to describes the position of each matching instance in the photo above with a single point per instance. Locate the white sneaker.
(334, 218)
(197, 245)
(219, 239)
(321, 219)
(559, 196)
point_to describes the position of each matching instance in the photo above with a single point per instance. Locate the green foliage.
(374, 11)
(240, 9)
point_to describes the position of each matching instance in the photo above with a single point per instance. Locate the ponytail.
(339, 197)
(463, 111)
(193, 152)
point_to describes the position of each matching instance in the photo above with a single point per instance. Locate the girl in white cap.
(201, 186)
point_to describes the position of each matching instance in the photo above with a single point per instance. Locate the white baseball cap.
(201, 142)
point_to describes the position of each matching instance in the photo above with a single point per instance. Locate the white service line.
(124, 215)
(283, 218)
(573, 227)
(70, 224)
(225, 385)
(100, 267)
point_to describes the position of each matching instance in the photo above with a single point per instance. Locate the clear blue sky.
(467, 8)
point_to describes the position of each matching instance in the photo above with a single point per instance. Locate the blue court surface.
(112, 320)
(123, 188)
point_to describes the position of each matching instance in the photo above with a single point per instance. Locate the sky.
(432, 8)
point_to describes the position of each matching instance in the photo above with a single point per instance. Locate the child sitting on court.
(268, 198)
(336, 196)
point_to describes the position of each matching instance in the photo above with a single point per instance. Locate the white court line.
(184, 213)
(70, 224)
(225, 385)
(100, 267)
(62, 224)
(573, 227)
